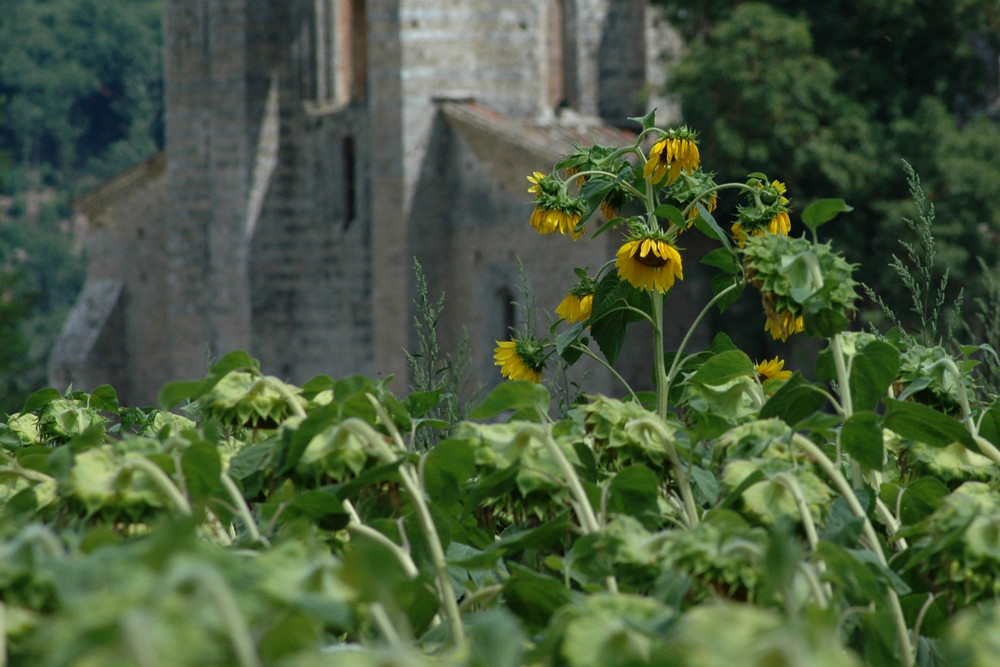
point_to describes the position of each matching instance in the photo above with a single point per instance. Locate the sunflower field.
(738, 514)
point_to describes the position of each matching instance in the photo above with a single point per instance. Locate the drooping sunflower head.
(804, 286)
(520, 359)
(562, 220)
(782, 324)
(555, 211)
(649, 262)
(676, 150)
(766, 213)
(772, 370)
(579, 303)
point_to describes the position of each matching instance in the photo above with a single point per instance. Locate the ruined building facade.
(315, 147)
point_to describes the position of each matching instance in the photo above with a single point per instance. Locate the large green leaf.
(514, 395)
(823, 211)
(861, 437)
(925, 424)
(873, 370)
(723, 367)
(534, 597)
(634, 491)
(795, 400)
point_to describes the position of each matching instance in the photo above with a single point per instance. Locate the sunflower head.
(676, 150)
(804, 286)
(649, 262)
(766, 211)
(555, 211)
(579, 303)
(772, 370)
(520, 359)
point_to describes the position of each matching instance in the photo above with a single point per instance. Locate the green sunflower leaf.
(514, 395)
(925, 424)
(823, 211)
(861, 437)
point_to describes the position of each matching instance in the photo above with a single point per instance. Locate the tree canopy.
(81, 82)
(833, 96)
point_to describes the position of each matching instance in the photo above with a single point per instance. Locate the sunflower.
(709, 206)
(649, 263)
(536, 179)
(551, 220)
(575, 308)
(783, 324)
(780, 224)
(518, 360)
(772, 370)
(677, 150)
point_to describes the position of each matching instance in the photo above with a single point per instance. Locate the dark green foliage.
(82, 81)
(833, 95)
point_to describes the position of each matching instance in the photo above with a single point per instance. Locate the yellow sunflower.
(575, 308)
(783, 324)
(669, 155)
(780, 224)
(649, 263)
(512, 364)
(536, 178)
(709, 206)
(550, 221)
(772, 370)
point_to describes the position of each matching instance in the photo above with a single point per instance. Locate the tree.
(834, 95)
(82, 80)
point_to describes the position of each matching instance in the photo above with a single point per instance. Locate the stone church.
(315, 147)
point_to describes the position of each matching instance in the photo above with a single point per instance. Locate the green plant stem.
(659, 364)
(228, 609)
(399, 552)
(414, 490)
(17, 470)
(162, 481)
(845, 490)
(792, 485)
(582, 506)
(985, 446)
(675, 364)
(241, 507)
(606, 174)
(822, 599)
(484, 594)
(741, 186)
(384, 623)
(3, 634)
(680, 474)
(587, 351)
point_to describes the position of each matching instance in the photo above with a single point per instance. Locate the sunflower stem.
(590, 353)
(659, 363)
(844, 487)
(675, 364)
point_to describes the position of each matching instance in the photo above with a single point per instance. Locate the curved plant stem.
(399, 552)
(590, 353)
(228, 609)
(484, 594)
(675, 365)
(162, 481)
(241, 508)
(582, 506)
(845, 490)
(680, 474)
(408, 477)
